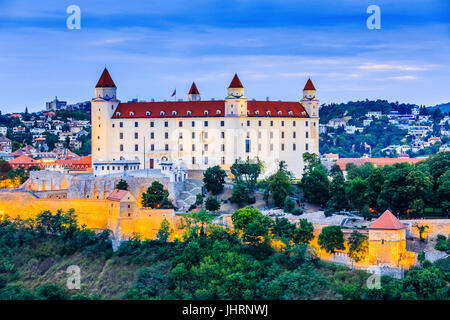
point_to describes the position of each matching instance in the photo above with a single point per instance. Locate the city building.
(197, 134)
(55, 105)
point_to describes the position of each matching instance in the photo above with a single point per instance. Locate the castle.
(197, 134)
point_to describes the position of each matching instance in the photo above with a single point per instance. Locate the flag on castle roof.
(105, 80)
(387, 221)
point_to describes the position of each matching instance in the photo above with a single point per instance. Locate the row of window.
(205, 135)
(205, 112)
(222, 147)
(205, 123)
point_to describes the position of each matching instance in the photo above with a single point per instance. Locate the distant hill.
(445, 107)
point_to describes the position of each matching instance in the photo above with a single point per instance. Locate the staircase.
(186, 193)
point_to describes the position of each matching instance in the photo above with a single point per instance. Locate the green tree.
(443, 189)
(357, 195)
(331, 239)
(419, 189)
(244, 216)
(282, 230)
(338, 199)
(374, 186)
(359, 246)
(212, 204)
(214, 179)
(304, 233)
(316, 185)
(289, 204)
(164, 231)
(247, 172)
(122, 185)
(280, 187)
(156, 197)
(241, 194)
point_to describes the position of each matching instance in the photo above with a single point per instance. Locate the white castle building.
(197, 134)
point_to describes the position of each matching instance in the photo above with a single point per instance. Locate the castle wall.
(435, 227)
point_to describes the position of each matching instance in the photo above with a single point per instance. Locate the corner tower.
(236, 102)
(193, 94)
(102, 109)
(309, 101)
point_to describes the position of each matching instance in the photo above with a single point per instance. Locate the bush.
(442, 245)
(297, 211)
(289, 204)
(212, 204)
(51, 291)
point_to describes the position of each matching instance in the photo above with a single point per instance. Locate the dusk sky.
(153, 47)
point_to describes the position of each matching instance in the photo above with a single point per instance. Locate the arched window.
(162, 113)
(189, 112)
(257, 112)
(206, 112)
(290, 112)
(148, 113)
(131, 113)
(174, 113)
(268, 112)
(118, 114)
(279, 113)
(218, 112)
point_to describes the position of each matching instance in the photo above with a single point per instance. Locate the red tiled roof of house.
(193, 89)
(117, 195)
(309, 85)
(23, 159)
(342, 162)
(105, 80)
(387, 221)
(213, 108)
(236, 83)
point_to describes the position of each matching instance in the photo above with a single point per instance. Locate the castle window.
(290, 113)
(152, 147)
(271, 134)
(279, 113)
(259, 134)
(222, 135)
(193, 124)
(166, 147)
(162, 113)
(121, 135)
(189, 112)
(113, 125)
(223, 147)
(180, 123)
(257, 112)
(282, 147)
(166, 124)
(294, 147)
(121, 147)
(148, 113)
(218, 112)
(131, 113)
(152, 124)
(206, 112)
(193, 160)
(136, 135)
(282, 134)
(306, 123)
(223, 160)
(166, 135)
(293, 123)
(268, 112)
(282, 123)
(248, 123)
(193, 147)
(121, 124)
(247, 145)
(206, 147)
(259, 123)
(118, 114)
(206, 123)
(136, 124)
(174, 113)
(181, 147)
(271, 123)
(136, 147)
(206, 160)
(306, 147)
(294, 134)
(193, 135)
(222, 123)
(152, 135)
(180, 135)
(306, 134)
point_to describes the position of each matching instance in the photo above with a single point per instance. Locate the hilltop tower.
(102, 109)
(309, 100)
(236, 102)
(193, 94)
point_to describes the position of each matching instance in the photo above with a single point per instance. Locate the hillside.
(444, 107)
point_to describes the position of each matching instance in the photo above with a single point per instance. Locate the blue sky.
(152, 47)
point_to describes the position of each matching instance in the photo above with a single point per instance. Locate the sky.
(152, 47)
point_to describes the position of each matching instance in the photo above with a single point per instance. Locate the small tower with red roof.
(105, 87)
(236, 102)
(387, 242)
(309, 100)
(193, 94)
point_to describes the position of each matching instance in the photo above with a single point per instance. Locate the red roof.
(236, 83)
(105, 80)
(117, 195)
(193, 89)
(22, 160)
(213, 108)
(342, 162)
(387, 221)
(309, 85)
